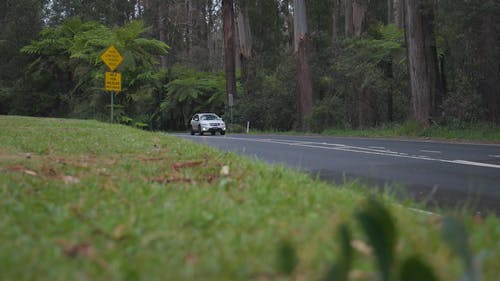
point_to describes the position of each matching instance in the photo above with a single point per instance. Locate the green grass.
(473, 132)
(84, 200)
(481, 132)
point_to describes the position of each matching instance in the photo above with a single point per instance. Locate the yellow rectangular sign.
(113, 81)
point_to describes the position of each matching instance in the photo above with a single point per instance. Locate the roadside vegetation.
(482, 132)
(479, 132)
(85, 200)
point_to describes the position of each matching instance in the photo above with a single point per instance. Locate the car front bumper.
(213, 129)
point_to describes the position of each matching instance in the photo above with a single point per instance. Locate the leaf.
(224, 171)
(77, 249)
(455, 235)
(378, 225)
(181, 165)
(20, 169)
(70, 179)
(287, 257)
(414, 269)
(340, 270)
(362, 247)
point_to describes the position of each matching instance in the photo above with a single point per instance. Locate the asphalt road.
(439, 174)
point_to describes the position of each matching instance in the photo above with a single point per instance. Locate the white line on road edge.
(430, 151)
(494, 156)
(479, 164)
(427, 213)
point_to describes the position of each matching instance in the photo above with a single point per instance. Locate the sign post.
(113, 80)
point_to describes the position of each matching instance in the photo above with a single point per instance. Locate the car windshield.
(209, 117)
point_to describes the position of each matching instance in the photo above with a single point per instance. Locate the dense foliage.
(359, 80)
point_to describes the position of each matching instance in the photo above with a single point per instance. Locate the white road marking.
(356, 149)
(430, 151)
(479, 164)
(494, 156)
(427, 213)
(424, 157)
(378, 147)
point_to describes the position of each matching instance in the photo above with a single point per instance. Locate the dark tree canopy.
(363, 70)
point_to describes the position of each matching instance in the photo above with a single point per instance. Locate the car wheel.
(200, 131)
(222, 133)
(213, 133)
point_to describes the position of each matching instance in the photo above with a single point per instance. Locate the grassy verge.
(478, 132)
(83, 200)
(482, 132)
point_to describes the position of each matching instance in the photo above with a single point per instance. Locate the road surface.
(439, 174)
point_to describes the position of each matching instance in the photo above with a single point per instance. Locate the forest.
(289, 65)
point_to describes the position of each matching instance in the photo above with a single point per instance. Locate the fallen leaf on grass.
(120, 232)
(181, 165)
(164, 180)
(70, 179)
(29, 172)
(20, 169)
(110, 162)
(191, 259)
(143, 159)
(77, 249)
(212, 178)
(50, 172)
(224, 171)
(362, 247)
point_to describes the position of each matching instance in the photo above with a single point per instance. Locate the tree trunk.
(245, 43)
(388, 66)
(390, 11)
(335, 21)
(162, 11)
(229, 61)
(422, 59)
(211, 38)
(401, 14)
(349, 28)
(489, 67)
(364, 109)
(304, 81)
(359, 17)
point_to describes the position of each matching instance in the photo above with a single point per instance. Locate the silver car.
(207, 123)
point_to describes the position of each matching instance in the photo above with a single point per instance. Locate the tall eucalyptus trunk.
(162, 13)
(422, 59)
(388, 66)
(304, 81)
(245, 44)
(390, 11)
(229, 40)
(335, 20)
(364, 108)
(349, 28)
(359, 8)
(401, 14)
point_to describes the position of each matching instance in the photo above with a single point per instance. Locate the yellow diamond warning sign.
(113, 81)
(112, 58)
